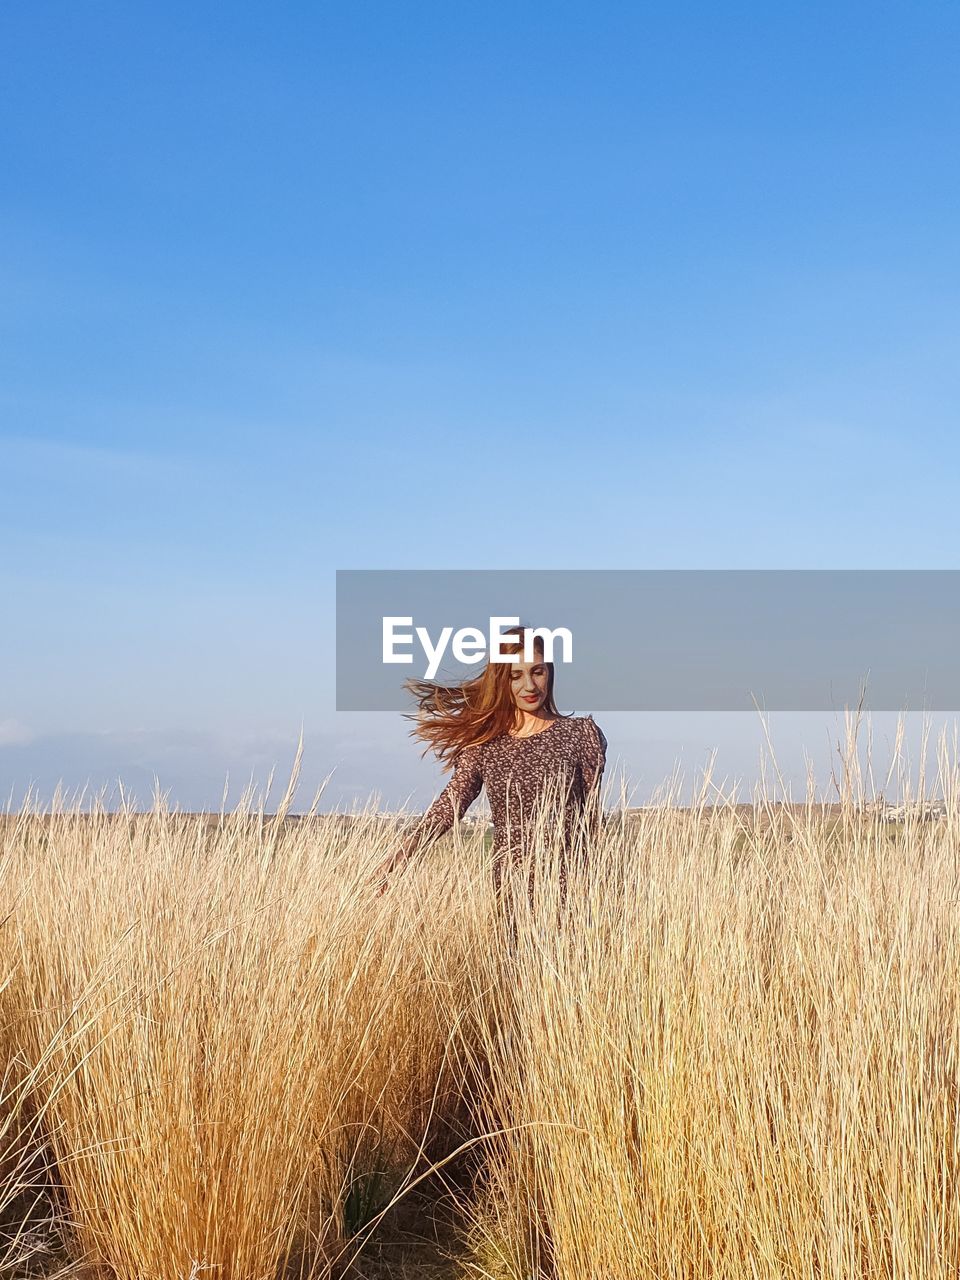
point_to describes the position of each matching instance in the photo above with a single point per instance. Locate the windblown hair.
(451, 717)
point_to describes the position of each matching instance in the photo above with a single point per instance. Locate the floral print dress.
(561, 767)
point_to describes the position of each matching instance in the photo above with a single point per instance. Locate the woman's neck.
(531, 724)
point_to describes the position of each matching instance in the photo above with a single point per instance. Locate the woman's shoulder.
(472, 752)
(589, 728)
(578, 727)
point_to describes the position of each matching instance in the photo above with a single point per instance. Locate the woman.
(502, 731)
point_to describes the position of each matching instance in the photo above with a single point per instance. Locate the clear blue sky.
(293, 289)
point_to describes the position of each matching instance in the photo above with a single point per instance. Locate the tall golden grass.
(729, 1050)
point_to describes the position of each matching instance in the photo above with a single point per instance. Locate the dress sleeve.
(456, 797)
(592, 763)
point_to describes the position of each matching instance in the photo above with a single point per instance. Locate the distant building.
(924, 810)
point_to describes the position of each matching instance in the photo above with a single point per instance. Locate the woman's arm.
(456, 797)
(593, 762)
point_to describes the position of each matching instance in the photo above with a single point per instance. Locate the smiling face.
(529, 682)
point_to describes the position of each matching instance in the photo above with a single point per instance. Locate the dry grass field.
(730, 1054)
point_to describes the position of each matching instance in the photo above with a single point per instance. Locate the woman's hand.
(381, 875)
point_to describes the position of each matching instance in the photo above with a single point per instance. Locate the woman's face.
(528, 682)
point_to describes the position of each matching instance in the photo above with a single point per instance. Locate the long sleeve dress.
(566, 761)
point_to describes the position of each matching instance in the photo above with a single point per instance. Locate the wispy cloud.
(194, 768)
(48, 453)
(13, 733)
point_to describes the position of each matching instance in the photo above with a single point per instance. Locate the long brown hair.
(451, 717)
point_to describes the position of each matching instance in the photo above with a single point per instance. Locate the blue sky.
(567, 286)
